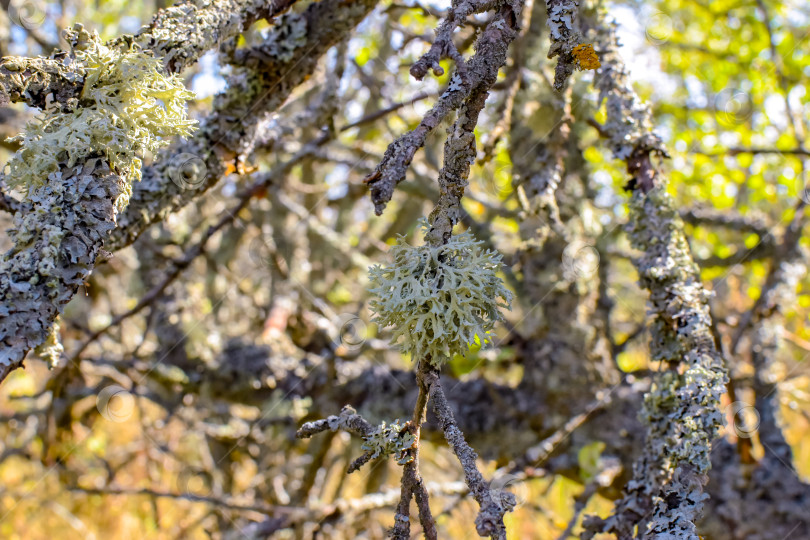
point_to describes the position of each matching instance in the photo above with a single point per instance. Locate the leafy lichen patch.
(388, 440)
(129, 106)
(439, 300)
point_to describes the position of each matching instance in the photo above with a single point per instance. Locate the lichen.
(390, 440)
(51, 349)
(586, 56)
(682, 409)
(439, 300)
(128, 107)
(287, 35)
(628, 119)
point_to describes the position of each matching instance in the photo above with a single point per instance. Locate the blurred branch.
(737, 150)
(729, 219)
(263, 509)
(376, 115)
(177, 266)
(348, 420)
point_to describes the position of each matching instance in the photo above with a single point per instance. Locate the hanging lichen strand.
(439, 300)
(681, 410)
(128, 106)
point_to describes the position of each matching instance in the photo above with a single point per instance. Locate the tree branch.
(489, 521)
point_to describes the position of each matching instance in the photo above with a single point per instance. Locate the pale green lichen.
(389, 440)
(129, 106)
(51, 349)
(439, 300)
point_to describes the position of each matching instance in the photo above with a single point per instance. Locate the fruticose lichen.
(128, 106)
(439, 300)
(389, 440)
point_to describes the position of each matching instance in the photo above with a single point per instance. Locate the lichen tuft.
(388, 440)
(439, 300)
(51, 349)
(129, 106)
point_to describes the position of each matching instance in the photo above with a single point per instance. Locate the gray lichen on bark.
(681, 410)
(466, 94)
(179, 35)
(41, 82)
(564, 37)
(59, 234)
(460, 148)
(628, 125)
(182, 33)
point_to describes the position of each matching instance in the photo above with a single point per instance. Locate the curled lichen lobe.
(129, 107)
(439, 300)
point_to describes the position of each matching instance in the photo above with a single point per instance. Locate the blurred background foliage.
(179, 422)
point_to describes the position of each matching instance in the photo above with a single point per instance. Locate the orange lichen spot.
(586, 56)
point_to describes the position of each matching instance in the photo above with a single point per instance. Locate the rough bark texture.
(489, 521)
(564, 37)
(39, 82)
(481, 73)
(665, 497)
(179, 35)
(58, 233)
(466, 93)
(182, 33)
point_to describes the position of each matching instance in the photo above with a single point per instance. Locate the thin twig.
(489, 521)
